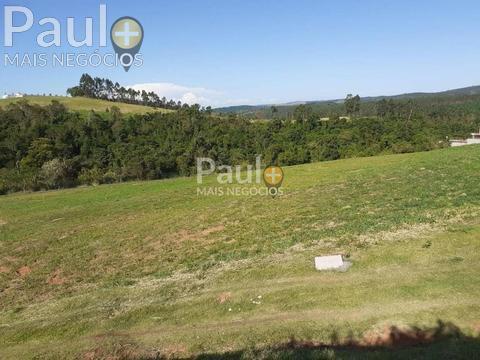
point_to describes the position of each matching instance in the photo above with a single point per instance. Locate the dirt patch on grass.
(182, 235)
(56, 278)
(11, 259)
(224, 297)
(3, 222)
(212, 230)
(24, 271)
(395, 336)
(174, 351)
(328, 226)
(186, 235)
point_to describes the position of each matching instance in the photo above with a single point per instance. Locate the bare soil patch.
(24, 271)
(212, 230)
(224, 297)
(56, 278)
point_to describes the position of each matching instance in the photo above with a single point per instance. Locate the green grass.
(152, 266)
(84, 104)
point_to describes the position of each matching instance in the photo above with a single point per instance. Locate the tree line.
(106, 89)
(457, 105)
(49, 147)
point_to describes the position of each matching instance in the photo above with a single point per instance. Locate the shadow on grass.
(443, 341)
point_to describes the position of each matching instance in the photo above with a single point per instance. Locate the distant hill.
(467, 91)
(84, 104)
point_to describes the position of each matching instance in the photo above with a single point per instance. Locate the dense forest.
(51, 147)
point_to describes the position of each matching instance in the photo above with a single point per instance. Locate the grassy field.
(82, 104)
(140, 269)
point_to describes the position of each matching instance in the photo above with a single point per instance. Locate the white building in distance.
(13, 96)
(475, 139)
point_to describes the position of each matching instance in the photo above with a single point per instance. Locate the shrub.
(54, 174)
(91, 176)
(110, 177)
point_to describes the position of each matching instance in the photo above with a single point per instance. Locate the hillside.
(326, 105)
(84, 104)
(467, 91)
(150, 267)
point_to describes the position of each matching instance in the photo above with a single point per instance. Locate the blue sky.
(223, 52)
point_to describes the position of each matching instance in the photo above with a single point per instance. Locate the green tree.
(40, 151)
(352, 104)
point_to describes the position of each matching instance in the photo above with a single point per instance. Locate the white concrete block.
(328, 262)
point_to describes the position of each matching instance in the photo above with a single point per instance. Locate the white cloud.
(189, 95)
(185, 94)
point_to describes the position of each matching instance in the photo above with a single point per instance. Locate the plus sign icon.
(127, 36)
(273, 178)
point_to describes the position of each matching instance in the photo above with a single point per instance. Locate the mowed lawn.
(150, 267)
(84, 104)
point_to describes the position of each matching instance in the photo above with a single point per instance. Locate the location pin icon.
(273, 178)
(127, 36)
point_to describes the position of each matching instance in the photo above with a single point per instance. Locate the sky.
(231, 52)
